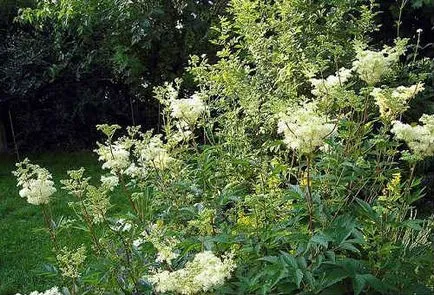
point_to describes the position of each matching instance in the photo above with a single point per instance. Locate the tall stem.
(309, 195)
(133, 120)
(419, 31)
(13, 135)
(88, 220)
(401, 8)
(49, 226)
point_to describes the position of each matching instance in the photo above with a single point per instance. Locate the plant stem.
(401, 8)
(49, 226)
(309, 195)
(13, 135)
(417, 46)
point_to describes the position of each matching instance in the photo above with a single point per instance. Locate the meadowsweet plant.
(280, 174)
(324, 87)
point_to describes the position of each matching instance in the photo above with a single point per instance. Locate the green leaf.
(298, 277)
(359, 283)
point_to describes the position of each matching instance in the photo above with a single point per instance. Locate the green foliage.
(85, 62)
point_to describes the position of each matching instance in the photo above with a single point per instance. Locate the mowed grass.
(24, 247)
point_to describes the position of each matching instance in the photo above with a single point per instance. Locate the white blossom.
(203, 274)
(419, 138)
(115, 157)
(179, 25)
(109, 182)
(52, 291)
(187, 110)
(373, 65)
(323, 86)
(304, 129)
(394, 102)
(36, 182)
(154, 154)
(121, 225)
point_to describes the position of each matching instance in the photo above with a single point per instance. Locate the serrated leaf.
(298, 277)
(359, 283)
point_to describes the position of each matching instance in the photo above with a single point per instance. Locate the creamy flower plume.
(394, 102)
(187, 110)
(304, 129)
(116, 157)
(204, 273)
(420, 138)
(52, 291)
(36, 182)
(71, 261)
(323, 87)
(109, 182)
(154, 154)
(371, 66)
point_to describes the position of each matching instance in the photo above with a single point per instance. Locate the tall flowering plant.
(273, 177)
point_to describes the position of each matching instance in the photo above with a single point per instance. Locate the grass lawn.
(24, 248)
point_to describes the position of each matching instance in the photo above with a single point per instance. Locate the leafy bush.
(288, 171)
(73, 64)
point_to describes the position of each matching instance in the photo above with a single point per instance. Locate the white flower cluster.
(187, 110)
(151, 153)
(304, 129)
(373, 65)
(132, 155)
(121, 225)
(116, 157)
(204, 273)
(109, 182)
(70, 261)
(36, 182)
(323, 87)
(163, 243)
(154, 154)
(420, 138)
(394, 102)
(52, 291)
